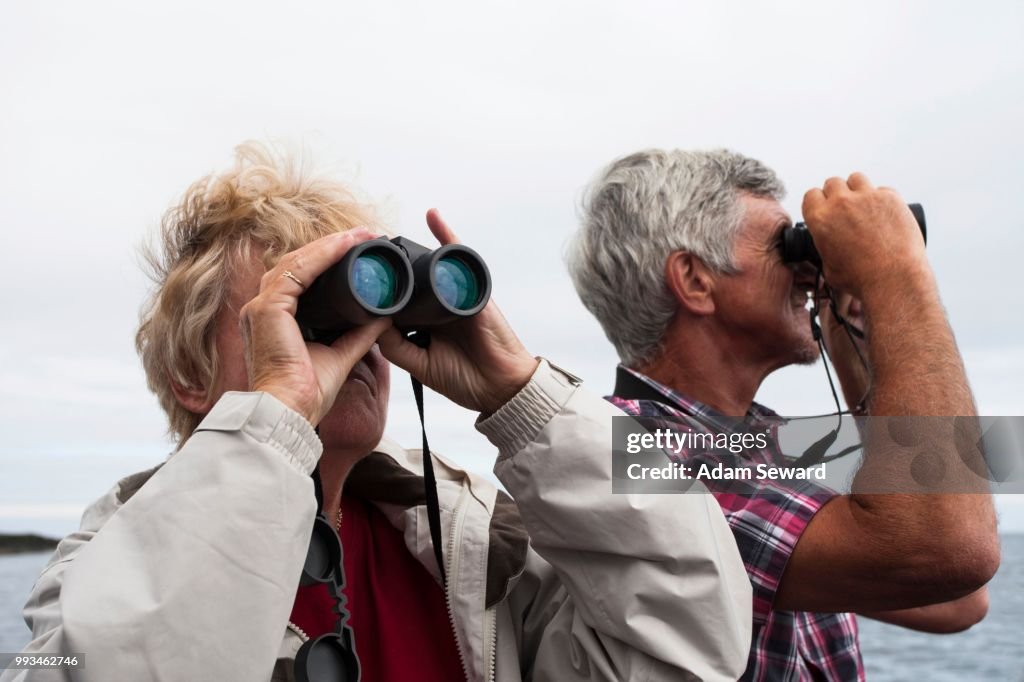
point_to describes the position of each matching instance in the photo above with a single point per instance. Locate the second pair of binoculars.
(798, 246)
(417, 287)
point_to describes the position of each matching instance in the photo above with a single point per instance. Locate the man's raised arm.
(872, 552)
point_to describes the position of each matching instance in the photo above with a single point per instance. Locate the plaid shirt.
(767, 518)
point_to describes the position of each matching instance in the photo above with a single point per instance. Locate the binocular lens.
(456, 283)
(374, 280)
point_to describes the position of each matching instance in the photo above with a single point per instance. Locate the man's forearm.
(945, 618)
(914, 359)
(918, 372)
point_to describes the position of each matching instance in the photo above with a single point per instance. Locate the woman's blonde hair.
(266, 202)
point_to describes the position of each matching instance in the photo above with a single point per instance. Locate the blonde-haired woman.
(191, 570)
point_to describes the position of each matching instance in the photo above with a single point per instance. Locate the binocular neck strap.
(422, 339)
(817, 452)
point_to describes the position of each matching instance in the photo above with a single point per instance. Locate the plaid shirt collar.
(682, 403)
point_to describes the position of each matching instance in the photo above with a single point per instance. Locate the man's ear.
(690, 282)
(193, 399)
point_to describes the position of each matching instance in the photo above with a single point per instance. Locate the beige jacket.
(188, 571)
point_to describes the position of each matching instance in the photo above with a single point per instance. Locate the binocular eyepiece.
(416, 286)
(798, 246)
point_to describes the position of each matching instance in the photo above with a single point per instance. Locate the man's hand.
(866, 236)
(477, 362)
(304, 376)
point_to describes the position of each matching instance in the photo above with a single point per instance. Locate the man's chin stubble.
(807, 355)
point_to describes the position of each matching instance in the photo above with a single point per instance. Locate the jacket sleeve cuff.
(267, 420)
(518, 421)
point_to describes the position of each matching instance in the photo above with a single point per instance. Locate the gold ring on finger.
(289, 275)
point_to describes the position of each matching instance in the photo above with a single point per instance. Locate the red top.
(398, 611)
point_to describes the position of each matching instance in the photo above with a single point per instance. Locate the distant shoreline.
(25, 543)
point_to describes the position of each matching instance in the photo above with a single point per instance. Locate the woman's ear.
(194, 399)
(690, 282)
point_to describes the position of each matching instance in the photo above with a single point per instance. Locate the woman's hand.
(304, 376)
(477, 362)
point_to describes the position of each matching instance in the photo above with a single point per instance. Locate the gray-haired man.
(688, 244)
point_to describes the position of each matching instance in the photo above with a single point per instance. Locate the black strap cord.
(817, 450)
(816, 453)
(422, 339)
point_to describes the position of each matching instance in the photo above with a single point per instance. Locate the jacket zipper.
(299, 631)
(491, 639)
(452, 573)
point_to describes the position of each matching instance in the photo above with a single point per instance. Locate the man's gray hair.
(644, 207)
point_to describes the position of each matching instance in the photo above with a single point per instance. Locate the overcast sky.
(498, 113)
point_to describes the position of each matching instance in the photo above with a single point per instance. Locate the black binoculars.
(798, 246)
(418, 287)
(330, 656)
